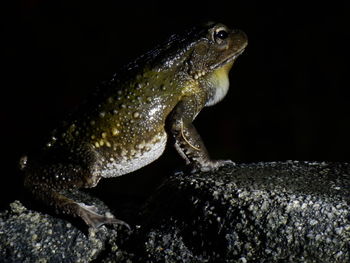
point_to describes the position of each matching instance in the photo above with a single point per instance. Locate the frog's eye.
(220, 35)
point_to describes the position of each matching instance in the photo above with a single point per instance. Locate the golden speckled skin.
(125, 124)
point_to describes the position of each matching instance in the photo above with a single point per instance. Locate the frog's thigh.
(62, 176)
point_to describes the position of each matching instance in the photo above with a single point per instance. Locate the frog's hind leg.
(53, 191)
(87, 212)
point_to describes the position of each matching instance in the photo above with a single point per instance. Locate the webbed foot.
(93, 219)
(211, 165)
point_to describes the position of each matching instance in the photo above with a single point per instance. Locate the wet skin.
(125, 124)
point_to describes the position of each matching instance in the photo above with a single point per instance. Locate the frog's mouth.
(227, 60)
(221, 64)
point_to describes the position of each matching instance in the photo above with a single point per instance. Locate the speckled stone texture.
(265, 212)
(28, 236)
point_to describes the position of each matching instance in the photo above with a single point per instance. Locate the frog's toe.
(93, 219)
(121, 222)
(89, 207)
(212, 165)
(220, 163)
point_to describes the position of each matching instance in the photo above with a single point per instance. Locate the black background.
(289, 90)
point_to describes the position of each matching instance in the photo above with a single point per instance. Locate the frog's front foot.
(93, 219)
(211, 165)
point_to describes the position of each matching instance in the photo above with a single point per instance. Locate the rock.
(265, 212)
(31, 236)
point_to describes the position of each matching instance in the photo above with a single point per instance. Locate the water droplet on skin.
(115, 112)
(136, 115)
(123, 106)
(102, 114)
(104, 135)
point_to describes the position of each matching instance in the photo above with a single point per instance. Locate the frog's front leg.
(188, 142)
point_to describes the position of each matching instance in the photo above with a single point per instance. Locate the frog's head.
(217, 47)
(205, 54)
(213, 55)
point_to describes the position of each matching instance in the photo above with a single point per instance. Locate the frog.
(126, 122)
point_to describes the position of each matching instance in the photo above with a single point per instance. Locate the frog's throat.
(219, 83)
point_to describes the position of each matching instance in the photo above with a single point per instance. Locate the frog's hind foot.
(211, 165)
(68, 206)
(93, 219)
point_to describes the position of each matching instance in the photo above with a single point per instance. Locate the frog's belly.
(148, 152)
